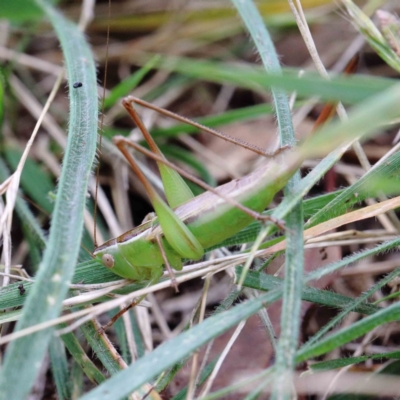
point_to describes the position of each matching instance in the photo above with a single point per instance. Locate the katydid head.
(134, 255)
(113, 260)
(110, 257)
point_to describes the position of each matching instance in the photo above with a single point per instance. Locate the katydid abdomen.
(136, 254)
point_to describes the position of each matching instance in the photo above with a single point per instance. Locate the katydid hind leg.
(200, 127)
(169, 171)
(176, 190)
(175, 231)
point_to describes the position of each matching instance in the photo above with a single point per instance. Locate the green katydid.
(188, 225)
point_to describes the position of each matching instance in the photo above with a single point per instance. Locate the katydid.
(187, 225)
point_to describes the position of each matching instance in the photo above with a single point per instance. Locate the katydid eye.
(108, 260)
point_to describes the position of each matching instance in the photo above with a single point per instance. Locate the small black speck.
(77, 84)
(21, 289)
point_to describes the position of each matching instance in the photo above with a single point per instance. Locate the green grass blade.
(24, 213)
(57, 268)
(120, 332)
(128, 84)
(59, 368)
(82, 360)
(35, 182)
(344, 362)
(20, 10)
(340, 88)
(330, 268)
(265, 282)
(99, 346)
(365, 187)
(76, 380)
(336, 320)
(359, 328)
